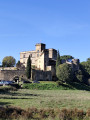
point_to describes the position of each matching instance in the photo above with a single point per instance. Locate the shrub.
(89, 81)
(11, 113)
(79, 76)
(64, 73)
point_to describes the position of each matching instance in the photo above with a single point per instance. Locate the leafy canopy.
(8, 61)
(66, 57)
(86, 65)
(64, 72)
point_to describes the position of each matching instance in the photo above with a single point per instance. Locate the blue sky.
(61, 24)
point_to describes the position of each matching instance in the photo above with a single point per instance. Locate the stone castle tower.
(42, 58)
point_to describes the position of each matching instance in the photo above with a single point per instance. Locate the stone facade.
(38, 75)
(11, 74)
(40, 58)
(74, 63)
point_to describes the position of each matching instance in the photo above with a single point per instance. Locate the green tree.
(86, 65)
(8, 61)
(79, 76)
(66, 57)
(58, 60)
(20, 65)
(64, 73)
(28, 68)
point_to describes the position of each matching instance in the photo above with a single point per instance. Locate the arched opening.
(16, 79)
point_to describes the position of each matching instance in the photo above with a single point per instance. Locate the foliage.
(28, 68)
(19, 65)
(58, 61)
(56, 86)
(64, 73)
(8, 61)
(79, 76)
(50, 86)
(86, 65)
(66, 57)
(11, 113)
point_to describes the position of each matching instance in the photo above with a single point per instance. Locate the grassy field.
(50, 85)
(26, 98)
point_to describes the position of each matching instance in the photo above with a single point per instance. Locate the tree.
(86, 65)
(58, 60)
(66, 57)
(8, 61)
(79, 76)
(20, 65)
(28, 68)
(64, 73)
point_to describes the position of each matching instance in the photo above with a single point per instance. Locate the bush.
(11, 113)
(79, 76)
(64, 73)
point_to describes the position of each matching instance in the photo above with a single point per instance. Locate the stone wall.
(41, 75)
(10, 74)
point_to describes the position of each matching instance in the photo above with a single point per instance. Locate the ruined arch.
(16, 78)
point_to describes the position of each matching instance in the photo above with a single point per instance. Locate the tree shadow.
(14, 95)
(15, 98)
(80, 86)
(4, 103)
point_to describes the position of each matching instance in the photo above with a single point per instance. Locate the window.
(38, 51)
(30, 55)
(37, 55)
(23, 56)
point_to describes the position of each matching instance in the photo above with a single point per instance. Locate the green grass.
(48, 85)
(26, 98)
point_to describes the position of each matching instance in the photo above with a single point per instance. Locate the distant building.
(42, 58)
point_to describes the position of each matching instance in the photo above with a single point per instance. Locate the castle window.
(30, 55)
(37, 55)
(23, 56)
(38, 51)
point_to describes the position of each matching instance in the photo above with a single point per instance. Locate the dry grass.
(11, 113)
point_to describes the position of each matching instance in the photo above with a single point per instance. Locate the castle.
(41, 59)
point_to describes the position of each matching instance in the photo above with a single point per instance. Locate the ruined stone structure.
(41, 75)
(74, 63)
(44, 62)
(11, 74)
(42, 58)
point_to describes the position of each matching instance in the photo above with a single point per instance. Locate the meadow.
(26, 98)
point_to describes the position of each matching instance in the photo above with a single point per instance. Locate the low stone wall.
(10, 74)
(8, 68)
(36, 75)
(41, 75)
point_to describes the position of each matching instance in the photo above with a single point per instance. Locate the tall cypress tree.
(28, 68)
(58, 61)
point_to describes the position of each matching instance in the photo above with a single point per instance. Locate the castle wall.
(10, 74)
(53, 54)
(41, 75)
